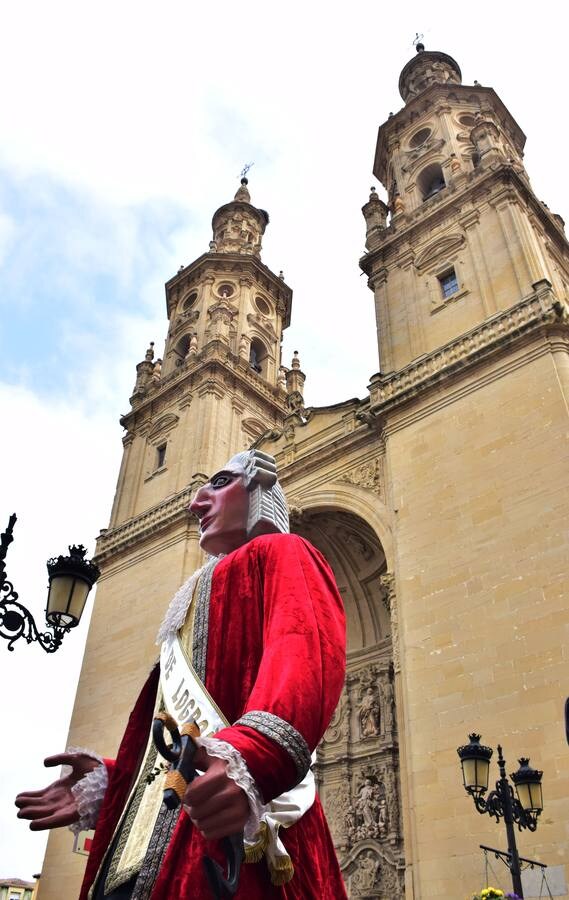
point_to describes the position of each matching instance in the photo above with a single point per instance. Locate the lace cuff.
(237, 770)
(88, 792)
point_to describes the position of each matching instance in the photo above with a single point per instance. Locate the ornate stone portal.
(358, 762)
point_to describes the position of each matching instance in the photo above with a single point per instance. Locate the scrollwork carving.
(337, 807)
(339, 727)
(367, 475)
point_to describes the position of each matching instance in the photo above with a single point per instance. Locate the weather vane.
(245, 169)
(418, 38)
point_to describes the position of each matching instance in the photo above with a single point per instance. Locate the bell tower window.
(449, 283)
(431, 181)
(181, 349)
(258, 356)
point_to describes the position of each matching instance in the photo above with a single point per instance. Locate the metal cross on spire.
(245, 169)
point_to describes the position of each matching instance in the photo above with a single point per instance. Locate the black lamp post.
(501, 803)
(70, 580)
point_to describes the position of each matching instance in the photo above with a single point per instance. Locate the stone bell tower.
(470, 280)
(221, 372)
(219, 385)
(468, 239)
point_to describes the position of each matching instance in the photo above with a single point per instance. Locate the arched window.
(258, 357)
(181, 349)
(431, 181)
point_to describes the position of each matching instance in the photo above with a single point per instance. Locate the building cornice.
(170, 513)
(541, 308)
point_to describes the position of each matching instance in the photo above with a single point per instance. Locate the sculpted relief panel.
(357, 776)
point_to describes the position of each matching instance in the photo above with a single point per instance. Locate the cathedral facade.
(439, 499)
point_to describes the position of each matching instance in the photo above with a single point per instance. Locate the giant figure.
(253, 652)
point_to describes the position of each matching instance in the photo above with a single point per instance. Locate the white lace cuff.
(88, 792)
(240, 774)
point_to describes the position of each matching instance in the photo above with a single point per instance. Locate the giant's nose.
(200, 503)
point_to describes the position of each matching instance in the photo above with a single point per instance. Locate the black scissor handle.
(172, 754)
(221, 884)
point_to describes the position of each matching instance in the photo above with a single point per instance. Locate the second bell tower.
(468, 239)
(220, 383)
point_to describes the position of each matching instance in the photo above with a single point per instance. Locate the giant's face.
(222, 506)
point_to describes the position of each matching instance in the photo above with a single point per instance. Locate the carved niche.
(368, 817)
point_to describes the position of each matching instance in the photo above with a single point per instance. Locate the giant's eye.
(221, 480)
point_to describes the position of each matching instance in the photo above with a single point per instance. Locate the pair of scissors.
(181, 754)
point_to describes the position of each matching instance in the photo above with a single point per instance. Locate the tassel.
(282, 870)
(255, 852)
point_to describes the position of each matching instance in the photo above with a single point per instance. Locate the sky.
(124, 125)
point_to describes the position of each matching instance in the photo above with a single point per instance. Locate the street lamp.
(501, 803)
(70, 580)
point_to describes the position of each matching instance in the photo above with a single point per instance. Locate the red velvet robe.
(276, 643)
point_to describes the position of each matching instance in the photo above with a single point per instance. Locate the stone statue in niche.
(368, 715)
(370, 813)
(366, 876)
(368, 803)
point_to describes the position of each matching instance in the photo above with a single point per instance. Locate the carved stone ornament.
(387, 582)
(444, 247)
(392, 798)
(339, 727)
(366, 877)
(222, 311)
(387, 701)
(263, 325)
(367, 475)
(185, 318)
(337, 806)
(163, 425)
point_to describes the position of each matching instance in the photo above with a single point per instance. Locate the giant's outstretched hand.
(214, 802)
(55, 804)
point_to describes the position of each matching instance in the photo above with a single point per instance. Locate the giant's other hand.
(55, 804)
(214, 802)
